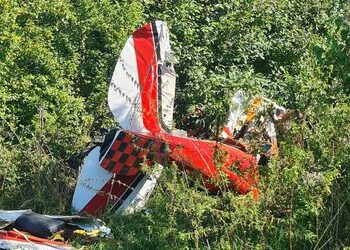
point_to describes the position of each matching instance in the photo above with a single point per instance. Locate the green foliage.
(56, 60)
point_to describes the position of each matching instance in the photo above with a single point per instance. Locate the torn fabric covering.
(236, 114)
(253, 123)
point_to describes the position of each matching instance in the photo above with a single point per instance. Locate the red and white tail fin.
(142, 90)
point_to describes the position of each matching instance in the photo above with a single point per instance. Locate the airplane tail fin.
(142, 90)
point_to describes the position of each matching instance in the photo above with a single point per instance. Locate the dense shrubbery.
(56, 60)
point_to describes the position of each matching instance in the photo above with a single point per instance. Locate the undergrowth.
(56, 60)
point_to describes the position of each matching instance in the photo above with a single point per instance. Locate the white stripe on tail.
(142, 90)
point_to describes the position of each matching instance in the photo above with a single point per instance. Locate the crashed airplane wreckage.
(141, 98)
(24, 229)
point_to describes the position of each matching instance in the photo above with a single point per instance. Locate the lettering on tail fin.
(142, 90)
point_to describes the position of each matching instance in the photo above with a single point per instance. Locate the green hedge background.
(56, 61)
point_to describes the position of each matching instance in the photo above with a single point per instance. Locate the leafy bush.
(56, 60)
